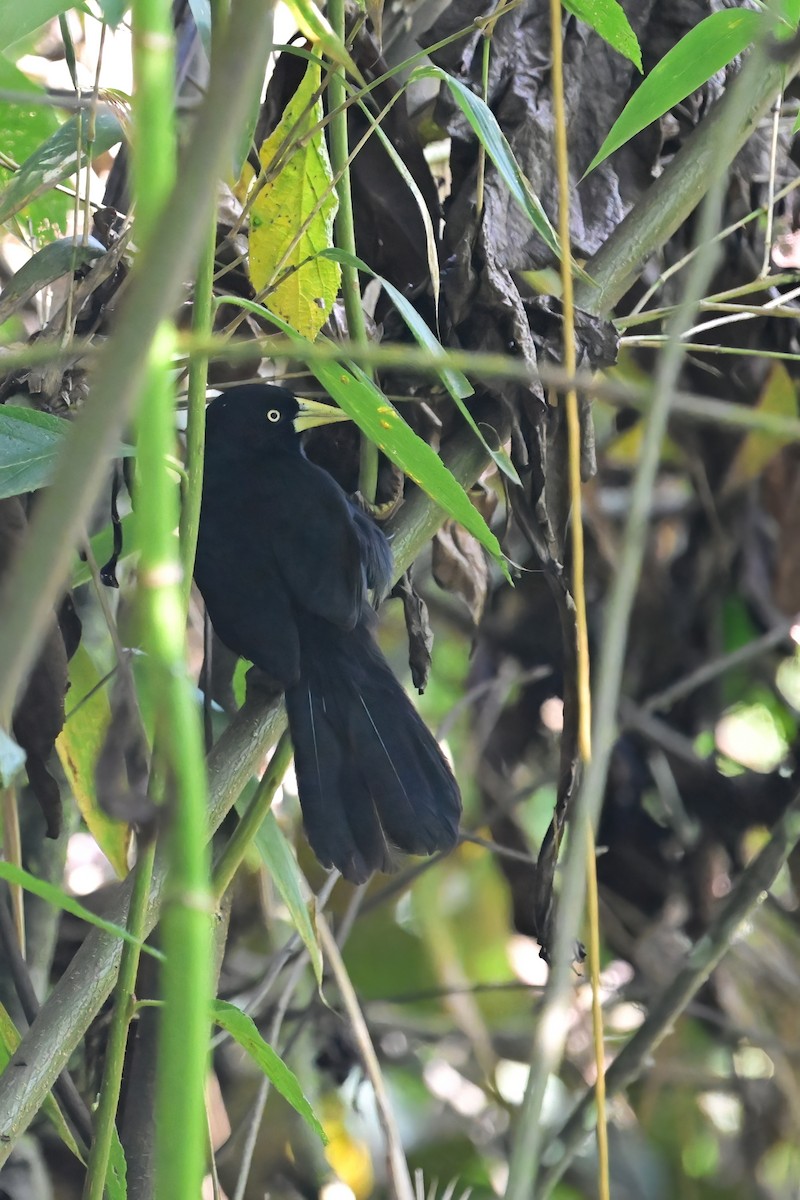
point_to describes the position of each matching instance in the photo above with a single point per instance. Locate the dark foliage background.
(444, 956)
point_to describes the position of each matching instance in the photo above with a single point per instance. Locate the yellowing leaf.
(79, 745)
(298, 196)
(244, 182)
(316, 27)
(625, 449)
(778, 396)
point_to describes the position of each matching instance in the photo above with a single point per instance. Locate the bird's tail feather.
(369, 772)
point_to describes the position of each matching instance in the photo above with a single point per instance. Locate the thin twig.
(782, 633)
(396, 1162)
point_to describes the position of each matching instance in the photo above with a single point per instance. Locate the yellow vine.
(582, 648)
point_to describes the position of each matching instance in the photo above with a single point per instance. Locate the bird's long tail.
(370, 774)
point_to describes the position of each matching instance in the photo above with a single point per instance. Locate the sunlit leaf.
(789, 12)
(700, 53)
(302, 285)
(243, 1030)
(23, 127)
(315, 26)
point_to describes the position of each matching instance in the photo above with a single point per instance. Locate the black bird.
(284, 563)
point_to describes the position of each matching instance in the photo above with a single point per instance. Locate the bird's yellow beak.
(312, 414)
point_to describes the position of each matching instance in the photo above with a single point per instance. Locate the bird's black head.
(255, 415)
(261, 415)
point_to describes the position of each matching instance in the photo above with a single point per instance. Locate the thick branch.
(678, 191)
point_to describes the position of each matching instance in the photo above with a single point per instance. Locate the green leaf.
(243, 1030)
(18, 18)
(22, 128)
(56, 159)
(9, 1041)
(53, 895)
(113, 11)
(700, 53)
(491, 137)
(116, 1181)
(458, 386)
(271, 843)
(29, 443)
(48, 264)
(608, 19)
(358, 396)
(789, 12)
(24, 125)
(443, 488)
(302, 285)
(79, 745)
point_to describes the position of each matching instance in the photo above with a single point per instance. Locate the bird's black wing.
(376, 554)
(316, 543)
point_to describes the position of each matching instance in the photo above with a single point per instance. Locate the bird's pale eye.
(273, 415)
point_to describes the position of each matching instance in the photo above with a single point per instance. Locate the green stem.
(251, 822)
(186, 977)
(345, 236)
(118, 1033)
(202, 317)
(480, 178)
